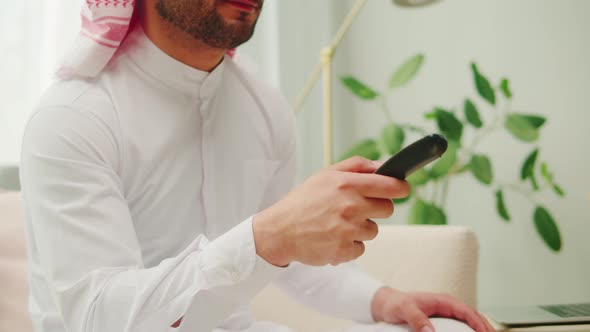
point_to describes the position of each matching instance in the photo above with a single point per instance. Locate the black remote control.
(414, 156)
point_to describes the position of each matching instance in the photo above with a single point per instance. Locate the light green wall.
(544, 47)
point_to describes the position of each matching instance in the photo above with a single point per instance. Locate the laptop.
(540, 315)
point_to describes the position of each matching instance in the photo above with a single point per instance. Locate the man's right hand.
(326, 219)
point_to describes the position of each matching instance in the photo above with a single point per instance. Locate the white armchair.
(425, 258)
(13, 266)
(412, 258)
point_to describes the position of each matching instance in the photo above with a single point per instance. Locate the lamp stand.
(325, 67)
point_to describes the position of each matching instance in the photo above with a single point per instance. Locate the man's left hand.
(396, 307)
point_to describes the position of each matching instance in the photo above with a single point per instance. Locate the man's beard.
(200, 19)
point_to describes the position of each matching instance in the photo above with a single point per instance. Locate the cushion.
(14, 316)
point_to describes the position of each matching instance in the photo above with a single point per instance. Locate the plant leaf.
(417, 214)
(545, 173)
(505, 88)
(392, 138)
(401, 200)
(535, 120)
(528, 166)
(481, 168)
(366, 148)
(534, 182)
(448, 124)
(436, 215)
(430, 115)
(423, 213)
(463, 169)
(418, 178)
(501, 206)
(558, 190)
(483, 86)
(358, 88)
(406, 71)
(446, 162)
(471, 114)
(520, 127)
(547, 228)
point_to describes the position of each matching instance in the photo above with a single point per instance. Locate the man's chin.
(240, 26)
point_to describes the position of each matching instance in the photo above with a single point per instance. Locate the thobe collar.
(196, 83)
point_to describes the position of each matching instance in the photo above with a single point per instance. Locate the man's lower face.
(218, 23)
(240, 11)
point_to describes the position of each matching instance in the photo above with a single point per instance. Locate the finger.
(348, 252)
(417, 320)
(489, 327)
(470, 316)
(356, 250)
(377, 208)
(473, 319)
(465, 313)
(450, 307)
(357, 165)
(368, 231)
(379, 186)
(177, 323)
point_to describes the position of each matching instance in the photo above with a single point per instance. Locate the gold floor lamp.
(324, 67)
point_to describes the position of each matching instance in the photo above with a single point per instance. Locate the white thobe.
(139, 189)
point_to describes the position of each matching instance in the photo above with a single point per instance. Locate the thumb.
(417, 320)
(357, 165)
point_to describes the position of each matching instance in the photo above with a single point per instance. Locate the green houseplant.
(487, 112)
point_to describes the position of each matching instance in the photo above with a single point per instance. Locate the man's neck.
(175, 42)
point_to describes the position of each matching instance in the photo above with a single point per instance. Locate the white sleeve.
(341, 291)
(82, 229)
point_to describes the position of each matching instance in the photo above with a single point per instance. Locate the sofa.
(413, 258)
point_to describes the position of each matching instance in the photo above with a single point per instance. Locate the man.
(157, 189)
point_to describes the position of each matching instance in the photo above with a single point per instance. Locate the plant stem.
(517, 189)
(385, 109)
(434, 192)
(445, 190)
(413, 128)
(456, 169)
(416, 192)
(483, 133)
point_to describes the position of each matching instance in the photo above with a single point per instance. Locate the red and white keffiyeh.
(105, 23)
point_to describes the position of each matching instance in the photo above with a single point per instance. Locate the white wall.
(16, 72)
(543, 46)
(305, 26)
(33, 34)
